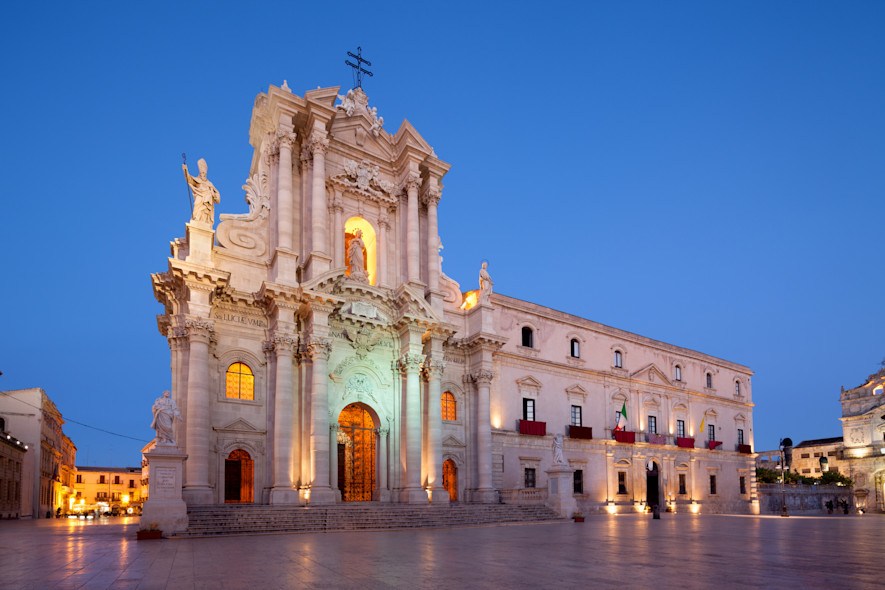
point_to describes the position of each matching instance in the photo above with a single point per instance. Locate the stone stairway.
(205, 521)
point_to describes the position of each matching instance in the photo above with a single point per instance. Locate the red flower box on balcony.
(712, 444)
(745, 449)
(685, 443)
(657, 439)
(533, 428)
(584, 432)
(625, 436)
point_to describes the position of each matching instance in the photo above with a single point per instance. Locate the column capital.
(319, 348)
(199, 329)
(284, 344)
(433, 368)
(410, 362)
(285, 139)
(431, 197)
(318, 143)
(333, 427)
(482, 377)
(411, 183)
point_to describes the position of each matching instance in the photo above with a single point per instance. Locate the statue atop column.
(356, 258)
(557, 450)
(485, 284)
(165, 411)
(206, 196)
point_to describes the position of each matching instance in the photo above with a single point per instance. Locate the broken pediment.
(240, 426)
(652, 374)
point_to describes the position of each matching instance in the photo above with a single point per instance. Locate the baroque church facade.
(319, 354)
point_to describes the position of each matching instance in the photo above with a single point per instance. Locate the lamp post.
(786, 447)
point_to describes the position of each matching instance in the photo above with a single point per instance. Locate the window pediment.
(652, 374)
(528, 386)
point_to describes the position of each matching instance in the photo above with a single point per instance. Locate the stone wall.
(802, 499)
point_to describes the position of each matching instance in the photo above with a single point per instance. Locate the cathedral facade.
(319, 353)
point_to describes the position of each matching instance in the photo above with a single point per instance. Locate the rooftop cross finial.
(358, 66)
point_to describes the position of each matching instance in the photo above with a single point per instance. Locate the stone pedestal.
(560, 490)
(413, 496)
(283, 267)
(200, 239)
(322, 495)
(165, 507)
(438, 496)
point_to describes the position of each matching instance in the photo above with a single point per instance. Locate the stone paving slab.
(620, 551)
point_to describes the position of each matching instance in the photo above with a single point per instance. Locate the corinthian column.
(319, 143)
(433, 369)
(338, 227)
(284, 202)
(432, 201)
(283, 491)
(196, 486)
(410, 365)
(483, 380)
(319, 350)
(383, 228)
(412, 247)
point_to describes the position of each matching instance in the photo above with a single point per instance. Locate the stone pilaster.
(382, 489)
(321, 492)
(285, 259)
(483, 381)
(382, 278)
(431, 199)
(433, 371)
(196, 487)
(283, 491)
(320, 260)
(412, 493)
(412, 247)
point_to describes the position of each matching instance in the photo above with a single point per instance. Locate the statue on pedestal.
(485, 284)
(165, 411)
(206, 196)
(356, 258)
(557, 450)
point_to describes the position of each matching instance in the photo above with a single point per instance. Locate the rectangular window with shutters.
(712, 485)
(579, 481)
(528, 409)
(740, 436)
(529, 477)
(576, 416)
(653, 424)
(711, 432)
(680, 428)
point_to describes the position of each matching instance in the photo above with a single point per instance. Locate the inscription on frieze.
(239, 319)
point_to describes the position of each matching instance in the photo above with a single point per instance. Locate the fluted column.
(319, 143)
(433, 370)
(431, 198)
(412, 493)
(383, 228)
(483, 380)
(283, 491)
(412, 247)
(196, 487)
(285, 201)
(320, 491)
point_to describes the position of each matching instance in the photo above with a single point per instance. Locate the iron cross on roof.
(358, 68)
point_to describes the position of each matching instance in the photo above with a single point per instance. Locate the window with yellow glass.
(449, 409)
(240, 382)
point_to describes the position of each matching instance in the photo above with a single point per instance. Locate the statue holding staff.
(206, 196)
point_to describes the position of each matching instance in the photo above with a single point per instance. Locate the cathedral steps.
(207, 521)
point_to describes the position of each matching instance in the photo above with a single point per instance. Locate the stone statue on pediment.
(557, 450)
(206, 196)
(165, 412)
(356, 257)
(485, 284)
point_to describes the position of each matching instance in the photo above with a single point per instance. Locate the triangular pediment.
(408, 136)
(652, 374)
(577, 391)
(451, 441)
(412, 306)
(239, 425)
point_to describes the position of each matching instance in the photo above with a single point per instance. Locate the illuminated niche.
(370, 254)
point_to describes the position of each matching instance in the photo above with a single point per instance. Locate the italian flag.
(621, 417)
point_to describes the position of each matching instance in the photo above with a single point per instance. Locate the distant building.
(108, 489)
(38, 424)
(863, 430)
(12, 457)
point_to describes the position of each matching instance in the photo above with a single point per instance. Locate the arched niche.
(369, 239)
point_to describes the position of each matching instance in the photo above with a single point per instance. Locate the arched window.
(619, 359)
(449, 407)
(678, 373)
(709, 380)
(575, 348)
(240, 382)
(527, 337)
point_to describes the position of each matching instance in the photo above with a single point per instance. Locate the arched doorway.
(356, 454)
(238, 477)
(653, 495)
(450, 479)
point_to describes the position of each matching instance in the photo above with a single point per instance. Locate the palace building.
(320, 354)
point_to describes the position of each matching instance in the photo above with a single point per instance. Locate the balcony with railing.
(684, 442)
(746, 449)
(625, 436)
(532, 427)
(580, 432)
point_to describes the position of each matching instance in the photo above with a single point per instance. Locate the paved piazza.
(622, 551)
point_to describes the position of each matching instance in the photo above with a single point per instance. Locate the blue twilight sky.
(709, 174)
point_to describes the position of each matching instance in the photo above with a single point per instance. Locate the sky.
(707, 174)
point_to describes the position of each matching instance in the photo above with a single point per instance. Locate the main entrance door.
(238, 469)
(653, 495)
(356, 454)
(450, 479)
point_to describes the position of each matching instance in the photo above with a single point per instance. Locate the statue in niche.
(485, 284)
(206, 196)
(356, 257)
(165, 411)
(557, 450)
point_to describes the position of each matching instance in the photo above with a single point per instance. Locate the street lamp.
(786, 446)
